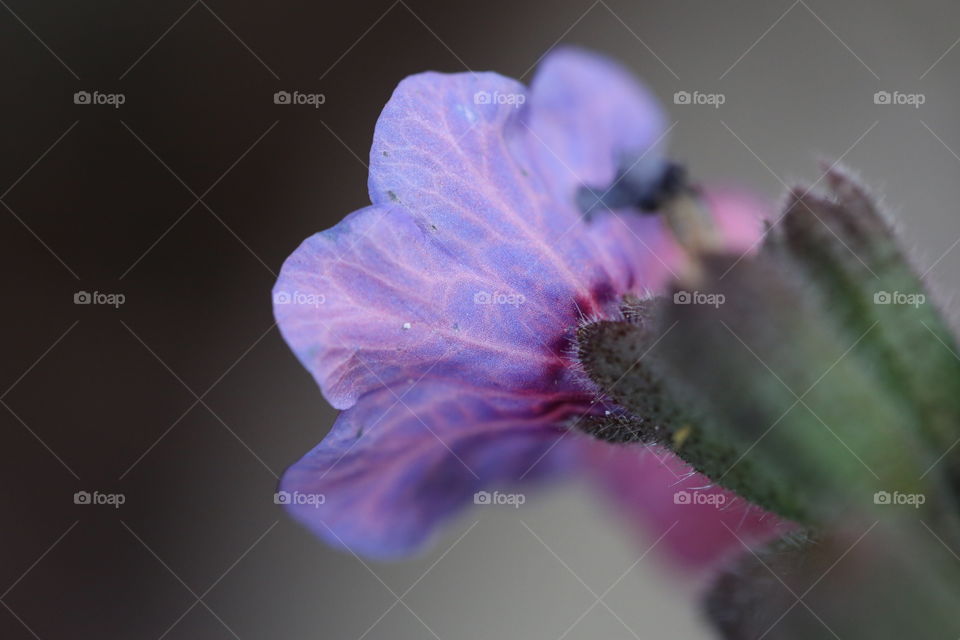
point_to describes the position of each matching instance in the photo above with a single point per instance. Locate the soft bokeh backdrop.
(187, 198)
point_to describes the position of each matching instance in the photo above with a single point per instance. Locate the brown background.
(106, 199)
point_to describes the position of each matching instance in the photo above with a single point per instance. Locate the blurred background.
(186, 198)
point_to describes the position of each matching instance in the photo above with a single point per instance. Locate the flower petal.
(485, 163)
(377, 301)
(739, 217)
(449, 151)
(588, 118)
(398, 464)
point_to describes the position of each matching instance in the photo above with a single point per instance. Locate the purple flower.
(440, 318)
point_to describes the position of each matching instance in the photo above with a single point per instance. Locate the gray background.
(187, 401)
